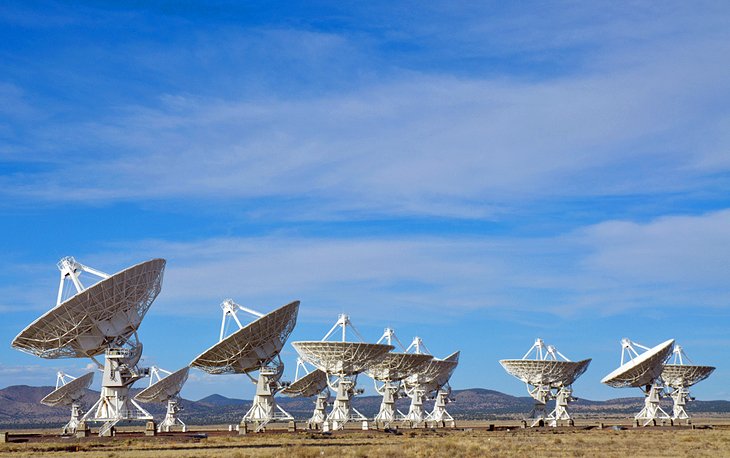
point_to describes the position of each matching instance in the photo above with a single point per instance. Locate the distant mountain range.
(20, 407)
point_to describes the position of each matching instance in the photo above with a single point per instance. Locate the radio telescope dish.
(388, 373)
(679, 377)
(254, 347)
(166, 390)
(251, 346)
(547, 377)
(342, 361)
(642, 371)
(100, 319)
(432, 376)
(314, 383)
(310, 385)
(69, 392)
(97, 317)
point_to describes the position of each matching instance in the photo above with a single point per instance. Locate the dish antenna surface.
(166, 389)
(388, 373)
(254, 347)
(642, 371)
(433, 376)
(679, 377)
(342, 361)
(548, 374)
(69, 391)
(313, 383)
(99, 319)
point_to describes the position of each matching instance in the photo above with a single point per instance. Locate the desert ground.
(468, 439)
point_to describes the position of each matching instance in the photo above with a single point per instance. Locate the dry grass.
(451, 443)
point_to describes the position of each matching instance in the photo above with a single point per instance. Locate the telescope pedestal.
(652, 410)
(171, 418)
(387, 413)
(342, 411)
(73, 423)
(115, 404)
(560, 413)
(415, 412)
(680, 396)
(538, 414)
(439, 415)
(264, 408)
(319, 416)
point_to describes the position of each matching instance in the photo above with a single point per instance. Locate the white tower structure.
(643, 371)
(342, 361)
(548, 374)
(101, 319)
(254, 347)
(679, 376)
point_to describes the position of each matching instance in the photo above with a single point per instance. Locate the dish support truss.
(120, 372)
(542, 393)
(264, 409)
(652, 410)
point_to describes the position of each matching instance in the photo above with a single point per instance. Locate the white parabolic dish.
(539, 372)
(252, 346)
(685, 375)
(165, 389)
(309, 385)
(642, 370)
(90, 321)
(341, 358)
(70, 392)
(437, 373)
(397, 366)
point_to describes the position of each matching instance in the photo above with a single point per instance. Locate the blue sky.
(476, 174)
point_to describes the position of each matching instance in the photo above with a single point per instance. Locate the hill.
(20, 407)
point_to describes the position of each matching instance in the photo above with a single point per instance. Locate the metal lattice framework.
(252, 346)
(643, 371)
(547, 377)
(96, 317)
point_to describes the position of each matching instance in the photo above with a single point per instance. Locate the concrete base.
(150, 428)
(3, 437)
(292, 426)
(243, 429)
